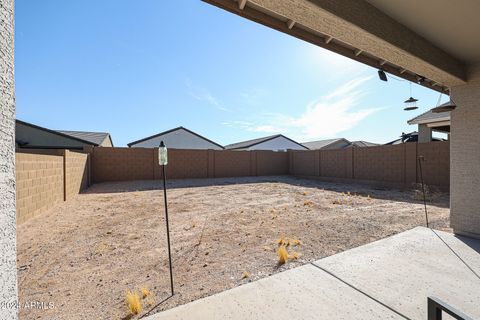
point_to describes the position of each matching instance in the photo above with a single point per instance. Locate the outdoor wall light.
(382, 75)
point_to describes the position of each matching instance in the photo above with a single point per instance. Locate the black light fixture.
(382, 75)
(420, 79)
(446, 107)
(411, 103)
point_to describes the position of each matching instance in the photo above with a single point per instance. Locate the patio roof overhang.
(360, 30)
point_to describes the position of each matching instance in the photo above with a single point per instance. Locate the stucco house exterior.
(177, 138)
(276, 142)
(28, 135)
(429, 121)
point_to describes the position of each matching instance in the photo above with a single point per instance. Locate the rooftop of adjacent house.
(170, 131)
(253, 142)
(320, 144)
(430, 116)
(410, 137)
(93, 138)
(361, 143)
(96, 138)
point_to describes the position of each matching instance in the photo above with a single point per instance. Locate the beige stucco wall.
(8, 256)
(106, 143)
(424, 133)
(465, 156)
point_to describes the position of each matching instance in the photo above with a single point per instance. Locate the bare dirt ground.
(84, 254)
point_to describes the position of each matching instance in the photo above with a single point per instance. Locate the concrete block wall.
(184, 164)
(303, 163)
(436, 164)
(271, 163)
(381, 163)
(336, 163)
(232, 164)
(45, 178)
(395, 165)
(124, 164)
(39, 183)
(76, 170)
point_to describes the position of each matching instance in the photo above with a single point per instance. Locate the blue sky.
(136, 68)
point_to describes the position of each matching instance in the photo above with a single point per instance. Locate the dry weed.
(133, 302)
(282, 255)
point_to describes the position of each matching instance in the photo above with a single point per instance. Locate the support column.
(465, 156)
(8, 258)
(424, 133)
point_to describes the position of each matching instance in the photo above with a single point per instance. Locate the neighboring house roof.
(52, 132)
(409, 137)
(362, 144)
(429, 117)
(320, 144)
(250, 143)
(172, 130)
(96, 138)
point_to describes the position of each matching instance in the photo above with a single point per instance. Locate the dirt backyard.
(83, 255)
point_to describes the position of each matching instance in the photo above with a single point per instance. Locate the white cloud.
(202, 94)
(330, 115)
(327, 62)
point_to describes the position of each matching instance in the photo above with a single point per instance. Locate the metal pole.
(168, 228)
(420, 159)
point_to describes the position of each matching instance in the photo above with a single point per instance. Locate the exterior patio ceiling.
(452, 26)
(415, 40)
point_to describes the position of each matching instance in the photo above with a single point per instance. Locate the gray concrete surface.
(386, 279)
(401, 271)
(300, 293)
(8, 255)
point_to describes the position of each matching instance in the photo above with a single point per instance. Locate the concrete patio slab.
(403, 270)
(386, 279)
(301, 293)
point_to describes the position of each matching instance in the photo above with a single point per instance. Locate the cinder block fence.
(45, 178)
(395, 165)
(121, 164)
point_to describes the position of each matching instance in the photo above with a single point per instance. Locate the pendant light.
(410, 103)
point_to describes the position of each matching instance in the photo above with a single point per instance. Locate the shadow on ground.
(435, 197)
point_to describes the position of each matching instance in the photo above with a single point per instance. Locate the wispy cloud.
(328, 116)
(333, 64)
(201, 94)
(253, 96)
